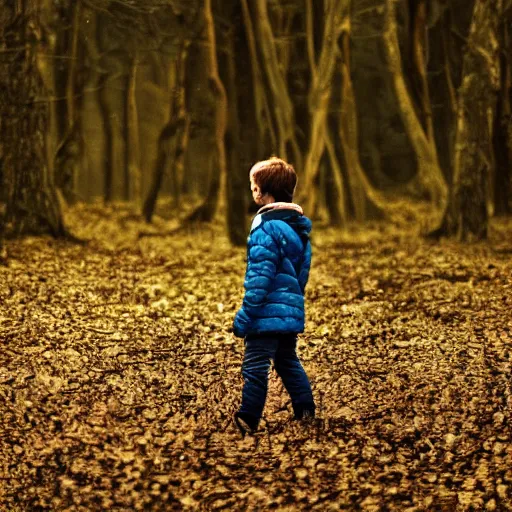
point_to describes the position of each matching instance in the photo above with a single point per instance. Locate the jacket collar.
(280, 206)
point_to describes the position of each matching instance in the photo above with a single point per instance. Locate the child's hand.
(238, 333)
(241, 324)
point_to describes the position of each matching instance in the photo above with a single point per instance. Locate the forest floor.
(119, 377)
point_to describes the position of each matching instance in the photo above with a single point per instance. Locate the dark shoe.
(304, 411)
(246, 423)
(308, 414)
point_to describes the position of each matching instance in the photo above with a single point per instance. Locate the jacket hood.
(290, 213)
(281, 206)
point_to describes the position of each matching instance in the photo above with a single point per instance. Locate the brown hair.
(275, 177)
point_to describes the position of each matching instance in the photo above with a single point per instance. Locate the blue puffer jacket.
(278, 262)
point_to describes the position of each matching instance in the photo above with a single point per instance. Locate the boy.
(272, 313)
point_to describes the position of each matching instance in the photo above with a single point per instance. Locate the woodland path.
(118, 377)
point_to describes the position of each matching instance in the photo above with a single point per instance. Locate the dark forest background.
(132, 125)
(395, 109)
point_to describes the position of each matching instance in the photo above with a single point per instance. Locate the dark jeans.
(259, 350)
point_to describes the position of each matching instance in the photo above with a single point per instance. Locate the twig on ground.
(100, 331)
(138, 362)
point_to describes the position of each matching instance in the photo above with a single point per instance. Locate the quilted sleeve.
(304, 269)
(262, 263)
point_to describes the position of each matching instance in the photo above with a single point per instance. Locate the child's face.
(256, 191)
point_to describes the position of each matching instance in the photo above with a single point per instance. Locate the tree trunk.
(180, 107)
(320, 96)
(237, 182)
(384, 149)
(348, 133)
(266, 130)
(429, 181)
(442, 93)
(114, 63)
(167, 136)
(389, 204)
(215, 201)
(335, 189)
(109, 126)
(132, 160)
(418, 48)
(393, 202)
(173, 140)
(502, 131)
(282, 16)
(70, 149)
(90, 179)
(72, 69)
(281, 103)
(467, 215)
(46, 69)
(310, 37)
(32, 204)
